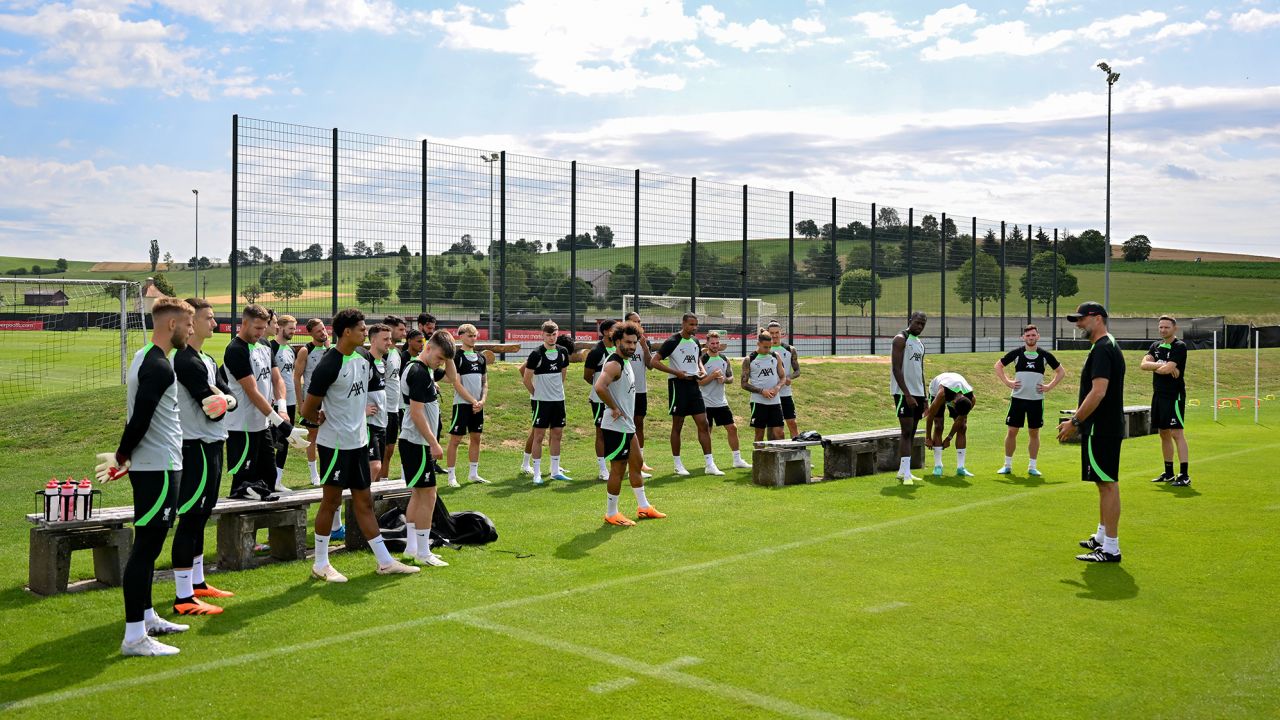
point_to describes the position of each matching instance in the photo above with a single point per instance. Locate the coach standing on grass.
(1100, 421)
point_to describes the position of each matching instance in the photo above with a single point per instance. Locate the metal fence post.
(942, 279)
(573, 249)
(333, 241)
(911, 231)
(1029, 276)
(1003, 270)
(744, 270)
(873, 239)
(502, 247)
(693, 246)
(1055, 288)
(422, 277)
(235, 214)
(875, 282)
(635, 235)
(791, 264)
(835, 275)
(973, 287)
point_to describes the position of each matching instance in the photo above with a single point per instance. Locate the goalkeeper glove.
(231, 402)
(214, 406)
(110, 467)
(297, 439)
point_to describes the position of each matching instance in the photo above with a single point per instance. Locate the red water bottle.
(68, 498)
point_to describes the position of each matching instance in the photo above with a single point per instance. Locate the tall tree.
(359, 248)
(372, 290)
(251, 294)
(313, 252)
(887, 218)
(1037, 282)
(807, 228)
(168, 261)
(1136, 249)
(154, 253)
(989, 286)
(604, 236)
(991, 244)
(857, 287)
(286, 284)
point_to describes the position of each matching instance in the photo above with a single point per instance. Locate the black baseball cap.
(1085, 309)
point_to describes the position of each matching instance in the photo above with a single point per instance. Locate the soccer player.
(468, 417)
(379, 348)
(203, 400)
(1026, 406)
(304, 366)
(640, 363)
(790, 361)
(419, 444)
(246, 368)
(1167, 363)
(763, 374)
(266, 460)
(395, 360)
(680, 357)
(284, 359)
(151, 449)
(951, 390)
(615, 385)
(718, 374)
(906, 385)
(544, 374)
(1100, 421)
(592, 365)
(426, 324)
(337, 400)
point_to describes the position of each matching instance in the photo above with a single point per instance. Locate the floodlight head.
(1104, 67)
(1112, 78)
(489, 157)
(195, 192)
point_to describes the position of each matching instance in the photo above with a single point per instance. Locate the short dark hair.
(688, 316)
(378, 328)
(393, 321)
(426, 317)
(254, 312)
(1162, 317)
(550, 326)
(625, 328)
(346, 319)
(566, 343)
(963, 405)
(198, 304)
(413, 334)
(444, 341)
(314, 323)
(606, 325)
(1029, 327)
(631, 313)
(764, 336)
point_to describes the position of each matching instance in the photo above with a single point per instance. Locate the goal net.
(712, 311)
(61, 336)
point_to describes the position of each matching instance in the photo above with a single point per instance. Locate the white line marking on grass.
(609, 686)
(659, 672)
(885, 607)
(234, 660)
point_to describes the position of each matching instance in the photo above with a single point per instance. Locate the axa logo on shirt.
(264, 373)
(688, 358)
(357, 388)
(917, 356)
(766, 372)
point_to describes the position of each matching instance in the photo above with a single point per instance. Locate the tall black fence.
(328, 218)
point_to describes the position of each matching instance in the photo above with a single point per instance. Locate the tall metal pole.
(875, 282)
(911, 221)
(693, 246)
(1004, 261)
(1030, 277)
(973, 287)
(502, 249)
(942, 266)
(835, 275)
(1106, 259)
(197, 283)
(489, 161)
(422, 229)
(744, 270)
(573, 248)
(791, 264)
(235, 207)
(333, 240)
(1055, 289)
(635, 270)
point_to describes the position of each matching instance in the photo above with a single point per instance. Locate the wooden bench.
(789, 462)
(1137, 422)
(285, 519)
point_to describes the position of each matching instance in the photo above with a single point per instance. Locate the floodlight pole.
(489, 159)
(1112, 77)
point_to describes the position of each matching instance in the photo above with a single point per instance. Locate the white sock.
(1031, 465)
(424, 543)
(311, 465)
(182, 579)
(134, 631)
(1102, 532)
(612, 508)
(555, 464)
(450, 470)
(410, 539)
(1008, 462)
(537, 468)
(678, 462)
(475, 469)
(960, 456)
(710, 459)
(604, 466)
(641, 500)
(197, 570)
(525, 462)
(1111, 545)
(279, 475)
(937, 456)
(149, 615)
(380, 550)
(904, 467)
(322, 551)
(737, 455)
(337, 520)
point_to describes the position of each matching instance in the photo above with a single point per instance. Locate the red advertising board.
(21, 324)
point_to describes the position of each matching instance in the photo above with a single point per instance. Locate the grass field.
(1242, 291)
(855, 598)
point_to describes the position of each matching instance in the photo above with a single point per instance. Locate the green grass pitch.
(959, 598)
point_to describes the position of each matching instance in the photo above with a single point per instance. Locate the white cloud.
(1046, 7)
(1007, 38)
(882, 25)
(251, 15)
(1213, 15)
(808, 26)
(89, 52)
(1121, 27)
(869, 59)
(1254, 20)
(734, 34)
(1179, 30)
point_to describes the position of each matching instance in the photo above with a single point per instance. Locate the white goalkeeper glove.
(281, 407)
(298, 439)
(110, 467)
(214, 406)
(231, 402)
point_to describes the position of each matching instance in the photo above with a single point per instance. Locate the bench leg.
(767, 468)
(917, 453)
(109, 561)
(235, 542)
(288, 539)
(49, 562)
(866, 463)
(798, 469)
(838, 462)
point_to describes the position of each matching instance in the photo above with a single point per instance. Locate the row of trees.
(59, 266)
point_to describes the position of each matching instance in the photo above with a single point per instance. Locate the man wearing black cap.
(1100, 421)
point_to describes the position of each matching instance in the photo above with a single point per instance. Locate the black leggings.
(148, 541)
(282, 451)
(188, 539)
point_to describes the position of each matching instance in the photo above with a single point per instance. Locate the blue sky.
(114, 109)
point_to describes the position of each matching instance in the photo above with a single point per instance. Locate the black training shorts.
(347, 469)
